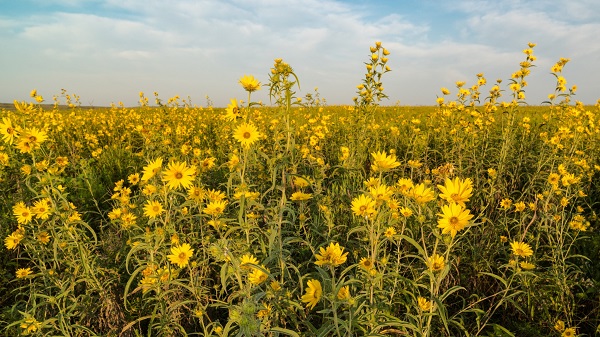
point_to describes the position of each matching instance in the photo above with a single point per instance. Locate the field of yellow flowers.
(475, 217)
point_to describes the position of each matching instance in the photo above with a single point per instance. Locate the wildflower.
(43, 237)
(215, 208)
(381, 192)
(13, 240)
(424, 304)
(520, 206)
(344, 293)
(195, 193)
(249, 83)
(366, 264)
(382, 162)
(265, 312)
(7, 130)
(506, 203)
(569, 332)
(31, 139)
(275, 285)
(232, 112)
(454, 218)
(179, 174)
(153, 209)
(404, 185)
(521, 249)
(457, 190)
(422, 194)
(152, 169)
(248, 259)
(313, 293)
(258, 276)
(41, 208)
(300, 196)
(214, 195)
(390, 232)
(333, 256)
(559, 326)
(301, 182)
(22, 212)
(23, 272)
(246, 134)
(527, 265)
(180, 255)
(30, 325)
(435, 262)
(363, 205)
(406, 212)
(133, 178)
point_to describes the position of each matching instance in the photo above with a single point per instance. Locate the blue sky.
(109, 50)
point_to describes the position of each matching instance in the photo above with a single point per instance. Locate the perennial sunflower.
(179, 174)
(246, 134)
(152, 209)
(521, 249)
(180, 255)
(232, 112)
(258, 275)
(313, 293)
(454, 218)
(333, 255)
(152, 169)
(457, 190)
(382, 162)
(364, 205)
(435, 262)
(249, 83)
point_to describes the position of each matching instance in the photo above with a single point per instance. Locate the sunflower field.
(474, 217)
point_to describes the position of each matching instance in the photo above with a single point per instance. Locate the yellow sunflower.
(300, 196)
(232, 112)
(382, 162)
(8, 131)
(179, 174)
(454, 218)
(249, 83)
(435, 262)
(364, 205)
(215, 208)
(313, 293)
(258, 275)
(152, 209)
(23, 272)
(457, 190)
(333, 255)
(246, 134)
(22, 212)
(422, 194)
(521, 249)
(152, 169)
(181, 255)
(424, 304)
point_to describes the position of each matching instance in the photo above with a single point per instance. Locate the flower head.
(249, 83)
(179, 174)
(232, 112)
(453, 219)
(435, 262)
(382, 162)
(313, 293)
(364, 205)
(457, 190)
(246, 134)
(152, 209)
(152, 169)
(521, 249)
(180, 255)
(23, 272)
(332, 256)
(258, 275)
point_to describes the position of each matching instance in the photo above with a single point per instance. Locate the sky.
(107, 51)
